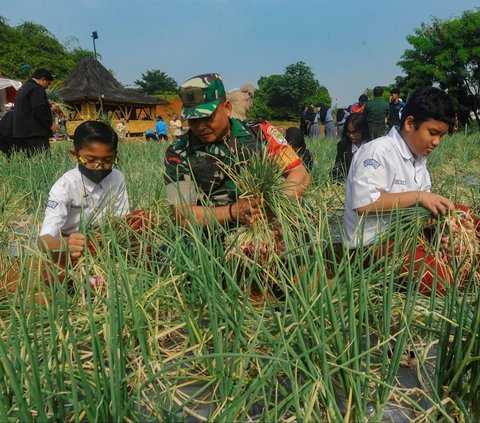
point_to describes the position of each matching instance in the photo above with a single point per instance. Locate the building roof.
(90, 79)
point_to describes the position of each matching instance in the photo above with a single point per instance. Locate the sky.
(349, 45)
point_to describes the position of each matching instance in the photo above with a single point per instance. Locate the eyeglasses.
(109, 164)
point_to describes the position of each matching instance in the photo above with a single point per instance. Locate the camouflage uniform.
(197, 172)
(190, 162)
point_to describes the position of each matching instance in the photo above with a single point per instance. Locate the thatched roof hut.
(91, 89)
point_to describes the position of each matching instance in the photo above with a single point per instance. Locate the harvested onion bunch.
(456, 243)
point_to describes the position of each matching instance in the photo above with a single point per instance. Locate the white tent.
(5, 83)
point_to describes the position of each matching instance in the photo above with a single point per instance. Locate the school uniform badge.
(51, 204)
(371, 162)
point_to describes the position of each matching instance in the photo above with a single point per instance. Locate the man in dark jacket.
(32, 122)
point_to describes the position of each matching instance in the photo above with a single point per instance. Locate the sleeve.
(179, 184)
(278, 146)
(56, 212)
(370, 177)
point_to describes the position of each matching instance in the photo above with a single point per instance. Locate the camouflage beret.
(201, 95)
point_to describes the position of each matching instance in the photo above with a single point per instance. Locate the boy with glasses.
(87, 192)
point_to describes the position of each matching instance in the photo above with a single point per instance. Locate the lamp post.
(100, 97)
(94, 37)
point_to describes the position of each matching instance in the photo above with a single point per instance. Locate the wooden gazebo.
(91, 90)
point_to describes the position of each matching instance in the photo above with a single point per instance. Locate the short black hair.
(378, 91)
(363, 98)
(429, 103)
(94, 131)
(42, 74)
(394, 91)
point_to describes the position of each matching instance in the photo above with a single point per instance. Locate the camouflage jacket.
(196, 171)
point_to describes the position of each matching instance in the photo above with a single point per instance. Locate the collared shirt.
(74, 199)
(383, 165)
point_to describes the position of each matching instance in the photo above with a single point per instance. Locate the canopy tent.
(8, 90)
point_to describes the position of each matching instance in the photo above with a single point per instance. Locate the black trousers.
(31, 146)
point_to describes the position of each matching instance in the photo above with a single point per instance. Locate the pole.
(100, 97)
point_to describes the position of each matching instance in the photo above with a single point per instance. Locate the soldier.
(195, 162)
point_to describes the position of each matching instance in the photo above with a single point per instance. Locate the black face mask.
(95, 175)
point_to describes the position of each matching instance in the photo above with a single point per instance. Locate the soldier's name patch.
(371, 162)
(51, 204)
(399, 182)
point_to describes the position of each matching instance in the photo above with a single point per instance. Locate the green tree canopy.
(155, 82)
(29, 46)
(282, 96)
(446, 53)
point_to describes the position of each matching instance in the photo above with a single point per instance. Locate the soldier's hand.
(247, 210)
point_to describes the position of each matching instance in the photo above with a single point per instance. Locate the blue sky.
(350, 45)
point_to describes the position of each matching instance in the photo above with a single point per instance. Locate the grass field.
(179, 332)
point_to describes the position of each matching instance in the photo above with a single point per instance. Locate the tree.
(156, 81)
(30, 46)
(282, 96)
(447, 53)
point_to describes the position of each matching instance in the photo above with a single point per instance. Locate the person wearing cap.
(396, 105)
(195, 164)
(33, 123)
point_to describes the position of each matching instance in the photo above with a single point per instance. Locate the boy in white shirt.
(390, 173)
(94, 187)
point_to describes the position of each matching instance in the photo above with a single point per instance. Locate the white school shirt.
(74, 198)
(383, 165)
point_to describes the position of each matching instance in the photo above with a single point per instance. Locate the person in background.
(32, 122)
(376, 112)
(304, 122)
(396, 105)
(151, 135)
(296, 139)
(342, 115)
(359, 106)
(355, 134)
(241, 101)
(330, 129)
(6, 130)
(314, 128)
(161, 129)
(121, 128)
(60, 121)
(176, 129)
